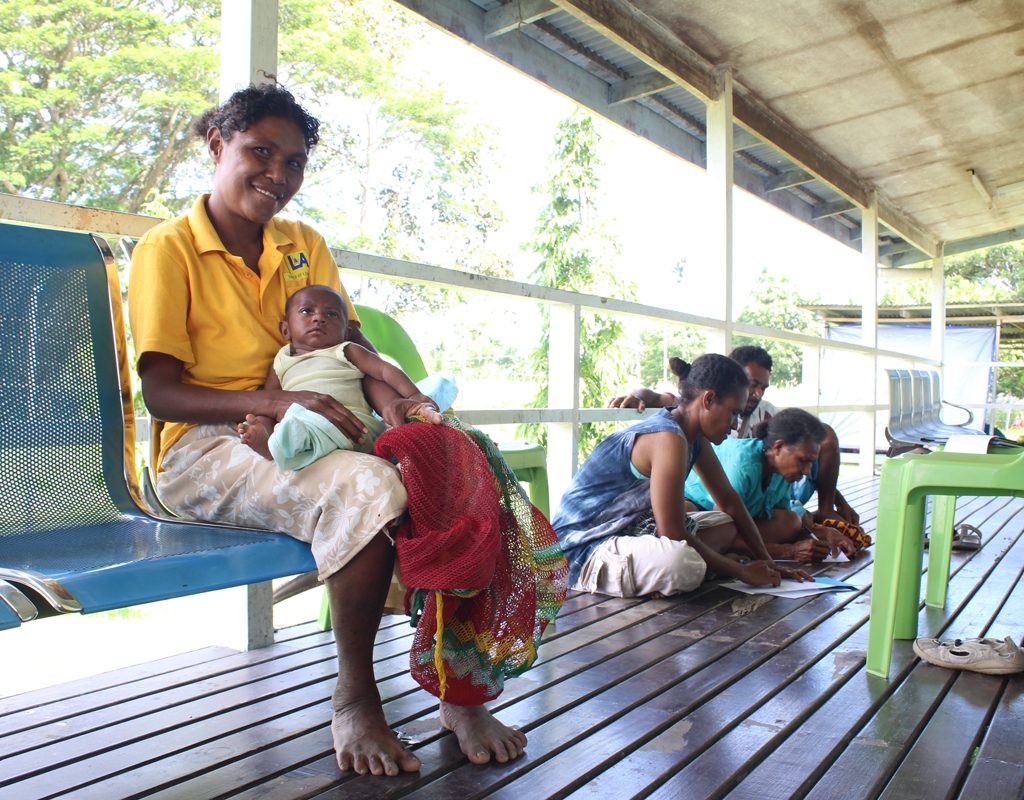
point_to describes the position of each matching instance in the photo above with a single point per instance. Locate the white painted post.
(869, 315)
(259, 615)
(811, 372)
(719, 154)
(938, 348)
(563, 392)
(248, 44)
(248, 56)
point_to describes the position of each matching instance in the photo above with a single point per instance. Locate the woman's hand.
(398, 410)
(846, 511)
(805, 551)
(794, 574)
(641, 399)
(835, 540)
(760, 573)
(323, 404)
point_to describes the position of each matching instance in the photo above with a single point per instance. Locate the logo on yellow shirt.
(298, 266)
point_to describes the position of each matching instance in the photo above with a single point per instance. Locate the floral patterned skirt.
(337, 504)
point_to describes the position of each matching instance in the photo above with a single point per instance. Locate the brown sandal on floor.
(967, 537)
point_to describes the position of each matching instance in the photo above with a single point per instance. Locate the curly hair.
(750, 352)
(248, 106)
(711, 371)
(792, 426)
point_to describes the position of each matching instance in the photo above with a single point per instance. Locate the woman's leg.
(783, 539)
(363, 741)
(339, 504)
(783, 527)
(633, 566)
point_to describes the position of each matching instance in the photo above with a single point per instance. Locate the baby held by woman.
(319, 358)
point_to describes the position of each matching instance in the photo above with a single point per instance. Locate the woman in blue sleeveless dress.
(622, 521)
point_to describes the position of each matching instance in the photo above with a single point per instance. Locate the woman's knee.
(675, 568)
(788, 522)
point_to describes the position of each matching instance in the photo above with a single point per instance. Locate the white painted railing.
(564, 415)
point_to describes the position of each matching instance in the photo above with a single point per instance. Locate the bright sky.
(656, 202)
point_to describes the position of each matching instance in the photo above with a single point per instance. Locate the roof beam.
(895, 249)
(514, 15)
(832, 208)
(465, 20)
(652, 43)
(526, 52)
(640, 86)
(906, 227)
(787, 180)
(662, 50)
(964, 246)
(744, 140)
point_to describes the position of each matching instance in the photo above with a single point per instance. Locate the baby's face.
(316, 319)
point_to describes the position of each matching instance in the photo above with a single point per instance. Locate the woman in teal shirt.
(783, 449)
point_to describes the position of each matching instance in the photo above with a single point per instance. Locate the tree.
(98, 97)
(776, 304)
(658, 346)
(575, 253)
(399, 159)
(993, 275)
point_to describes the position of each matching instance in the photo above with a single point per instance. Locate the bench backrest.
(922, 390)
(901, 399)
(62, 425)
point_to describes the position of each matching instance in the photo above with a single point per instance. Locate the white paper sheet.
(841, 558)
(793, 589)
(965, 443)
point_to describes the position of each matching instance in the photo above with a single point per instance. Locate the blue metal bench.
(72, 538)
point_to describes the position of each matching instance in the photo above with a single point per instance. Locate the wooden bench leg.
(260, 615)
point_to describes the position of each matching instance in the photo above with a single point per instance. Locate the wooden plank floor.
(713, 694)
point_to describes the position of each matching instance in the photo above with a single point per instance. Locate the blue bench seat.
(72, 536)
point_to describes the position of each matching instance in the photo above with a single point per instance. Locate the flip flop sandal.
(990, 656)
(967, 537)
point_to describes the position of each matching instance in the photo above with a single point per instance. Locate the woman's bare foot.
(363, 742)
(255, 432)
(480, 735)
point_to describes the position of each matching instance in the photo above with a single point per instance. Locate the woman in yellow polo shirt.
(206, 296)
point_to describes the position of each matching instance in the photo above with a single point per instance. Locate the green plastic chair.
(529, 462)
(905, 483)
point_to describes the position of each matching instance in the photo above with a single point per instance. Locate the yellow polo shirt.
(190, 298)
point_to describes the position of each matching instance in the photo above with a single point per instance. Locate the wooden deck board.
(791, 766)
(708, 695)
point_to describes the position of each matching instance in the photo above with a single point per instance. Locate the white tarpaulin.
(963, 385)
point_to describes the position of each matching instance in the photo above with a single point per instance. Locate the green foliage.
(97, 96)
(576, 253)
(776, 304)
(658, 346)
(399, 158)
(992, 275)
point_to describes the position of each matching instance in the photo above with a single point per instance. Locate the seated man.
(825, 472)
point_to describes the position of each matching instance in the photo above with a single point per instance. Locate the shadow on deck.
(712, 694)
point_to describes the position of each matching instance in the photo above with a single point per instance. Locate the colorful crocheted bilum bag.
(484, 569)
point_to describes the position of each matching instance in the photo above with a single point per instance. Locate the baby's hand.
(402, 408)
